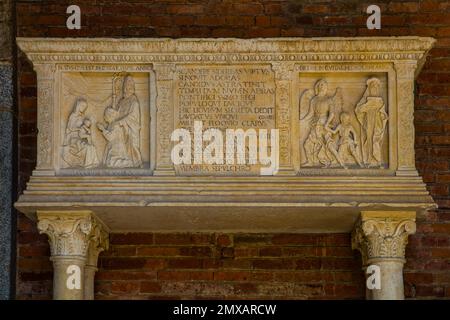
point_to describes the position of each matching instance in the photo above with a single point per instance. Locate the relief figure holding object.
(78, 149)
(371, 114)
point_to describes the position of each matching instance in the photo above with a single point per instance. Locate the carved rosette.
(164, 87)
(382, 237)
(283, 77)
(71, 234)
(405, 105)
(45, 82)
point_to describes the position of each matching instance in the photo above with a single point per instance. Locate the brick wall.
(239, 265)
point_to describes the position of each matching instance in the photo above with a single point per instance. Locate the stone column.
(71, 235)
(381, 237)
(283, 78)
(405, 115)
(164, 115)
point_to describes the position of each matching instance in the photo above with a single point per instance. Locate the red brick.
(185, 275)
(125, 286)
(150, 287)
(403, 7)
(273, 264)
(185, 263)
(158, 251)
(131, 238)
(185, 9)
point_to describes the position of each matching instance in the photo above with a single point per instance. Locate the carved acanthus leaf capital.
(383, 235)
(164, 71)
(283, 70)
(71, 233)
(44, 71)
(98, 242)
(405, 70)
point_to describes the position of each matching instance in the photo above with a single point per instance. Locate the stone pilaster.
(165, 122)
(283, 79)
(381, 237)
(405, 115)
(76, 238)
(45, 99)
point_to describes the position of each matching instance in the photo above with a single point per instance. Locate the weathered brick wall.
(236, 265)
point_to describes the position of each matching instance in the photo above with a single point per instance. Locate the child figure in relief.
(85, 131)
(347, 139)
(115, 154)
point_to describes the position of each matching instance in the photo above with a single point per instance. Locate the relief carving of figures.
(338, 138)
(122, 126)
(78, 149)
(322, 113)
(371, 114)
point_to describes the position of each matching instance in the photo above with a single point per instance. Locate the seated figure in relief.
(78, 149)
(347, 143)
(115, 155)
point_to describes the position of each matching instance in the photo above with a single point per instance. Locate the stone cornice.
(109, 50)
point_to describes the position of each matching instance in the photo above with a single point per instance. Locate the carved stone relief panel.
(343, 120)
(105, 121)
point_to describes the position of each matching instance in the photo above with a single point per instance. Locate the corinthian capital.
(383, 235)
(283, 70)
(98, 242)
(70, 233)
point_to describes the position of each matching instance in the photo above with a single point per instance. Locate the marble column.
(381, 237)
(75, 237)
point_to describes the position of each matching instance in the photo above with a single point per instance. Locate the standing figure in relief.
(371, 114)
(78, 149)
(321, 114)
(129, 119)
(115, 155)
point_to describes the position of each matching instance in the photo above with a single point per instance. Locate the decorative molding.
(225, 50)
(45, 76)
(405, 126)
(283, 76)
(383, 235)
(164, 109)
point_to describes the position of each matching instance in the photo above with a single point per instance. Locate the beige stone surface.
(343, 108)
